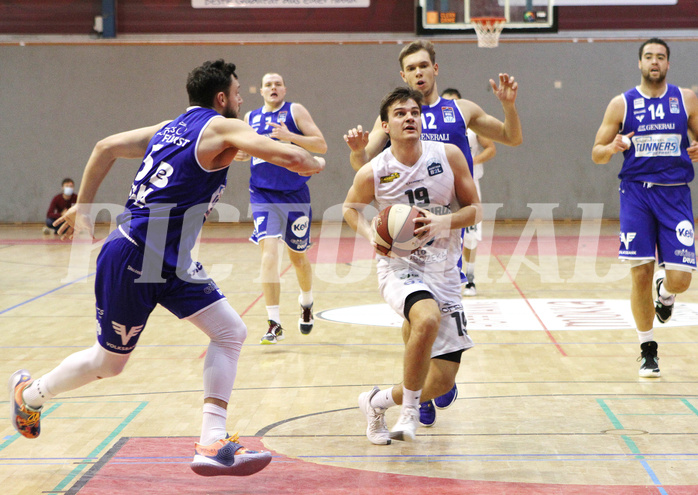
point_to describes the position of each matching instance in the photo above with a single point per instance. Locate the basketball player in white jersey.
(146, 260)
(424, 288)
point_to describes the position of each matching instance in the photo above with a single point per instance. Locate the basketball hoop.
(488, 30)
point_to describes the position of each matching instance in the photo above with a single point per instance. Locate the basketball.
(393, 230)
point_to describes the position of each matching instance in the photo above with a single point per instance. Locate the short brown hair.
(416, 46)
(400, 95)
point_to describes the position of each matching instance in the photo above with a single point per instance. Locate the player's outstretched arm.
(129, 144)
(508, 132)
(223, 138)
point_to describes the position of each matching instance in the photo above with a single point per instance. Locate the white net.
(488, 30)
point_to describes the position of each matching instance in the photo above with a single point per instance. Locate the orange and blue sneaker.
(226, 457)
(25, 419)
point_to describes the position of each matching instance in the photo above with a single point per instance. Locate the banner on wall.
(278, 4)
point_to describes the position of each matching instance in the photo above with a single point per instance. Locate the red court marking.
(161, 465)
(602, 246)
(523, 296)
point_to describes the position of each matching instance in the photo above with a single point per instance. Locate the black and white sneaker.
(650, 362)
(469, 289)
(306, 321)
(663, 307)
(273, 335)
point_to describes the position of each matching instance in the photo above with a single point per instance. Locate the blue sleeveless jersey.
(658, 153)
(172, 194)
(444, 122)
(266, 175)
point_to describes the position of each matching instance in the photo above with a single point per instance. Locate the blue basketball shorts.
(284, 214)
(656, 218)
(124, 303)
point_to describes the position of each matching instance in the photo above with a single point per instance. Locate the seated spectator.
(59, 204)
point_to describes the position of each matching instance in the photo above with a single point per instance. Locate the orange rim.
(487, 20)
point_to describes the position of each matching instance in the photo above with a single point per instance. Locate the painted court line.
(631, 445)
(95, 453)
(46, 293)
(523, 296)
(16, 436)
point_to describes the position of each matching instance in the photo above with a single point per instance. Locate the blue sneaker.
(447, 399)
(226, 457)
(427, 413)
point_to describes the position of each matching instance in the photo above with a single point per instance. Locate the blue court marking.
(95, 453)
(690, 406)
(12, 438)
(46, 293)
(631, 445)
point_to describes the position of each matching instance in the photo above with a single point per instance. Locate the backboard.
(453, 16)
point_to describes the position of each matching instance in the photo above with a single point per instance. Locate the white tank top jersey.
(428, 184)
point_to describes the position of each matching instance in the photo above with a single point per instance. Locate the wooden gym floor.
(549, 398)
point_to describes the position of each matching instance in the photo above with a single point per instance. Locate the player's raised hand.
(506, 90)
(356, 138)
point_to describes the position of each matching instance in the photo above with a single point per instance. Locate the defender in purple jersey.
(147, 261)
(280, 203)
(650, 124)
(442, 119)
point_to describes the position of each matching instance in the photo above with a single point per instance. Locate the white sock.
(663, 293)
(274, 314)
(213, 427)
(306, 298)
(383, 399)
(410, 398)
(647, 336)
(36, 394)
(470, 271)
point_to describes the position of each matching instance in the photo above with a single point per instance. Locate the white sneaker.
(406, 427)
(376, 431)
(469, 289)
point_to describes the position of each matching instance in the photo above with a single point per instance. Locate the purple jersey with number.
(172, 194)
(266, 175)
(659, 146)
(444, 122)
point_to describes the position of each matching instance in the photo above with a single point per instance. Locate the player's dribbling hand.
(507, 88)
(356, 138)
